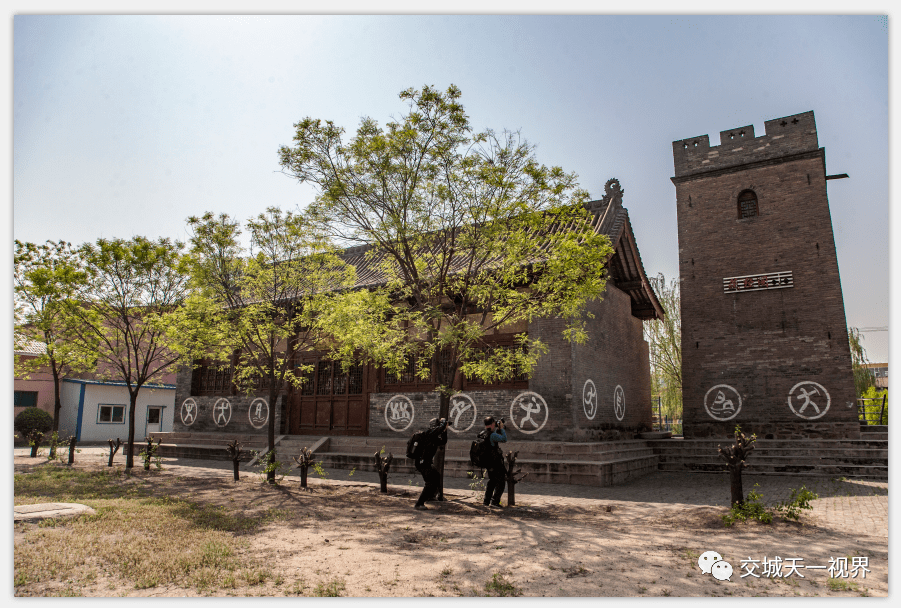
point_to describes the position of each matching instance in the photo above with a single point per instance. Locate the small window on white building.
(111, 414)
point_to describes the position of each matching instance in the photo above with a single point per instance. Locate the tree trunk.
(72, 442)
(738, 495)
(130, 449)
(443, 412)
(273, 397)
(113, 448)
(57, 406)
(456, 381)
(383, 465)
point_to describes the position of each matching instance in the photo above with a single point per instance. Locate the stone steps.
(857, 458)
(792, 470)
(580, 472)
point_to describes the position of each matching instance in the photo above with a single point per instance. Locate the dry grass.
(145, 540)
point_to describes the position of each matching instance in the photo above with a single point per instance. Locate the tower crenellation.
(739, 146)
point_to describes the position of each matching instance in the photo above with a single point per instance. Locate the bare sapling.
(304, 462)
(35, 438)
(735, 456)
(383, 465)
(72, 442)
(113, 448)
(512, 479)
(234, 450)
(149, 451)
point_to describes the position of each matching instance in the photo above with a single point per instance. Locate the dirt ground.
(345, 532)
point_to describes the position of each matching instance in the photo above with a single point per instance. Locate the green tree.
(45, 278)
(665, 339)
(466, 233)
(863, 376)
(129, 289)
(257, 310)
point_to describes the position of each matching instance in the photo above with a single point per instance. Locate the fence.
(873, 410)
(662, 422)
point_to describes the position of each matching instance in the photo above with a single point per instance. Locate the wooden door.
(331, 401)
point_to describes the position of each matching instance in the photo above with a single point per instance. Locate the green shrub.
(799, 499)
(31, 419)
(752, 508)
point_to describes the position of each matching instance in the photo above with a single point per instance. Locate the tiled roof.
(24, 346)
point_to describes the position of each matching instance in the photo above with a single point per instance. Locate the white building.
(97, 411)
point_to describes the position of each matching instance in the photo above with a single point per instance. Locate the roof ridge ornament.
(613, 193)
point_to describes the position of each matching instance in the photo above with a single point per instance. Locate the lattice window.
(211, 379)
(324, 378)
(340, 379)
(308, 385)
(747, 205)
(355, 379)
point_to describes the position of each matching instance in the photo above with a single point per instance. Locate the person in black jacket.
(497, 473)
(436, 436)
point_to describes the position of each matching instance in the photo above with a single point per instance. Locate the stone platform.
(49, 510)
(598, 464)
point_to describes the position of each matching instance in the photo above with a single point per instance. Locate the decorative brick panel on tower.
(764, 337)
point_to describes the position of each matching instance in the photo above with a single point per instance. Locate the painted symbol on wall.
(258, 413)
(619, 402)
(722, 402)
(222, 412)
(188, 411)
(526, 412)
(808, 400)
(399, 413)
(462, 409)
(589, 399)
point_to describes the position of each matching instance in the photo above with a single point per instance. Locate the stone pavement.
(854, 506)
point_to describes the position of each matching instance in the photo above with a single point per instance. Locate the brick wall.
(424, 407)
(762, 343)
(239, 420)
(615, 355)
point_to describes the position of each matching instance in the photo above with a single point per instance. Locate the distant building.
(93, 409)
(880, 374)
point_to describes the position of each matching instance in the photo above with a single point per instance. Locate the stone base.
(773, 430)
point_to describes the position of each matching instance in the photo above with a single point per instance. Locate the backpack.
(480, 451)
(416, 444)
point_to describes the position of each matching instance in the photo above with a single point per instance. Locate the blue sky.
(126, 125)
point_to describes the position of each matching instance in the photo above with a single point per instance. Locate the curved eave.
(627, 273)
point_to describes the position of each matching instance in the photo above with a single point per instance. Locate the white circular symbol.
(399, 410)
(222, 412)
(461, 408)
(722, 402)
(188, 411)
(619, 402)
(589, 399)
(806, 400)
(258, 414)
(532, 404)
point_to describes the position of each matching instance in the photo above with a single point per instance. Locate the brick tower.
(764, 338)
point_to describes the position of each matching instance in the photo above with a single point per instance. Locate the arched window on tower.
(747, 205)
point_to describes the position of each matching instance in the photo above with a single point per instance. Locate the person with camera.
(497, 473)
(432, 438)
